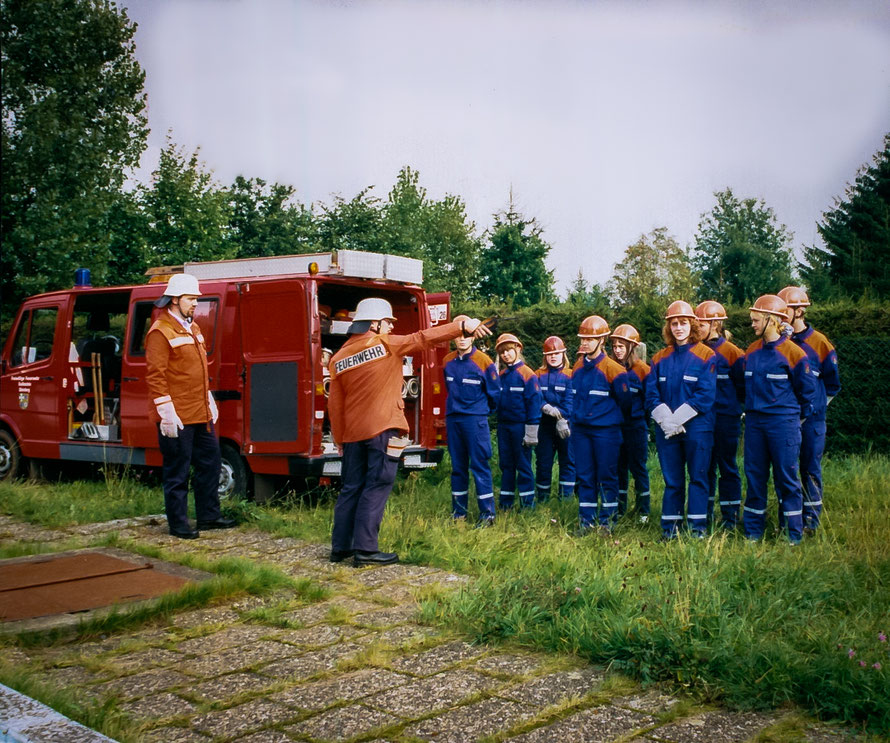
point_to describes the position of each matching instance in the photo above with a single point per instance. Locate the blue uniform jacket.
(556, 388)
(823, 365)
(520, 400)
(730, 377)
(472, 383)
(601, 391)
(684, 374)
(778, 379)
(636, 385)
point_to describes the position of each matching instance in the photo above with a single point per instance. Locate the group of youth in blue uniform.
(593, 418)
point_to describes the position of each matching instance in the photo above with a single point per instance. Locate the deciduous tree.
(73, 124)
(655, 268)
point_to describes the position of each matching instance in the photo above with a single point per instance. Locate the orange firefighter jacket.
(177, 369)
(366, 381)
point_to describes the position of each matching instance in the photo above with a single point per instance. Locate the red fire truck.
(72, 371)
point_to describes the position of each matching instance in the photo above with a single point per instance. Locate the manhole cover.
(68, 582)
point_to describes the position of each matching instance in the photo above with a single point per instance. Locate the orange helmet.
(679, 309)
(593, 327)
(795, 296)
(710, 310)
(771, 304)
(627, 333)
(505, 338)
(554, 344)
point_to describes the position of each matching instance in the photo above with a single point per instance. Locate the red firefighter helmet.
(627, 333)
(505, 338)
(710, 310)
(554, 344)
(771, 304)
(795, 296)
(679, 309)
(593, 327)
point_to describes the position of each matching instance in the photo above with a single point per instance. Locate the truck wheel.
(232, 474)
(11, 460)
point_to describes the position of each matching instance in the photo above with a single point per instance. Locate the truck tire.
(12, 463)
(233, 474)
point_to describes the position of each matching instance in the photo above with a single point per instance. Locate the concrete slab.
(24, 720)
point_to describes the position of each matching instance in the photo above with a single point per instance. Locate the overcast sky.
(607, 119)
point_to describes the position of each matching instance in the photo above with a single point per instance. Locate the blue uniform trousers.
(686, 452)
(812, 446)
(469, 444)
(724, 458)
(596, 464)
(549, 444)
(516, 466)
(772, 440)
(196, 446)
(368, 476)
(632, 457)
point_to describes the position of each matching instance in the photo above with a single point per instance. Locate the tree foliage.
(741, 251)
(267, 220)
(655, 270)
(855, 259)
(512, 266)
(73, 124)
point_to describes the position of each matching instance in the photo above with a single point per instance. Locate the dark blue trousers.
(724, 457)
(686, 452)
(772, 440)
(469, 444)
(632, 461)
(196, 446)
(368, 476)
(549, 445)
(516, 466)
(596, 462)
(812, 446)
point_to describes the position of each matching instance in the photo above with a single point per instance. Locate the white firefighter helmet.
(373, 308)
(179, 285)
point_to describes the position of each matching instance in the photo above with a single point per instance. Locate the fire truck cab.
(73, 370)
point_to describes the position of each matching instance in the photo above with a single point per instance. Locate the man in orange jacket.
(367, 417)
(184, 409)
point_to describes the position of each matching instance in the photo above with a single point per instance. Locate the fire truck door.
(36, 374)
(277, 377)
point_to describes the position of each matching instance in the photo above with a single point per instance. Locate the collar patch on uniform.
(362, 357)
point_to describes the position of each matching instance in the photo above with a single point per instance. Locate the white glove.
(531, 435)
(549, 409)
(673, 429)
(660, 414)
(472, 326)
(562, 428)
(684, 414)
(214, 411)
(170, 421)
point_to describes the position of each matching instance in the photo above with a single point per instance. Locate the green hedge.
(857, 419)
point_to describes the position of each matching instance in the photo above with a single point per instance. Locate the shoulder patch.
(451, 356)
(610, 368)
(755, 346)
(662, 354)
(525, 372)
(702, 351)
(578, 364)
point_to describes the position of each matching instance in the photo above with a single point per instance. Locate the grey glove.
(660, 414)
(531, 435)
(673, 429)
(552, 410)
(562, 428)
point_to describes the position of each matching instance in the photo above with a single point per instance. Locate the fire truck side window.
(205, 316)
(34, 336)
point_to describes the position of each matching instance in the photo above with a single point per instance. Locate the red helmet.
(772, 304)
(627, 333)
(679, 309)
(593, 327)
(554, 344)
(505, 338)
(795, 296)
(710, 310)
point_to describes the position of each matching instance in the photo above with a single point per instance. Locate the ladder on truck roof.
(352, 263)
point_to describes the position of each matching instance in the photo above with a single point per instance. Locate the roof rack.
(351, 263)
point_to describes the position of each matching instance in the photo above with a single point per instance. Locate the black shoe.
(219, 523)
(341, 555)
(374, 558)
(184, 533)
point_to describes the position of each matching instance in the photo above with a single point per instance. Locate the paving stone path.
(354, 666)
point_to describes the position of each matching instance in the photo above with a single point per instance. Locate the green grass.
(748, 625)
